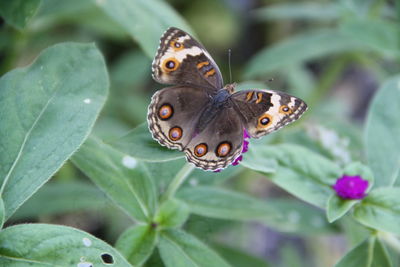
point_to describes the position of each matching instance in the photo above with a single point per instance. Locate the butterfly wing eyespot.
(170, 64)
(284, 109)
(200, 150)
(175, 133)
(165, 112)
(223, 149)
(177, 46)
(264, 121)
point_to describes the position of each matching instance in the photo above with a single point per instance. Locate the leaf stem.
(391, 240)
(177, 181)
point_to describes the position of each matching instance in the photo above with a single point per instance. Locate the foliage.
(157, 208)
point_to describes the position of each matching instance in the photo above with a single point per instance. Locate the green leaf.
(18, 12)
(137, 243)
(179, 249)
(283, 215)
(382, 133)
(123, 178)
(144, 20)
(54, 245)
(299, 49)
(48, 109)
(139, 144)
(337, 206)
(65, 197)
(172, 213)
(299, 11)
(301, 172)
(370, 253)
(380, 210)
(2, 213)
(381, 35)
(238, 258)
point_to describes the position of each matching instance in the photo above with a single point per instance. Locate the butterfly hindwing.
(219, 143)
(180, 59)
(172, 114)
(265, 111)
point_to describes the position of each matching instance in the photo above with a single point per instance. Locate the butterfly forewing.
(173, 113)
(180, 59)
(265, 111)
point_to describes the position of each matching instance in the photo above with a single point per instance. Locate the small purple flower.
(351, 187)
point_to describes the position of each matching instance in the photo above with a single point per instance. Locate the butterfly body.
(202, 117)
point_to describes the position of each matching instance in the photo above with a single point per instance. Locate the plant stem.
(391, 240)
(177, 181)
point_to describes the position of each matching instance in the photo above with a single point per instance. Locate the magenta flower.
(245, 148)
(351, 187)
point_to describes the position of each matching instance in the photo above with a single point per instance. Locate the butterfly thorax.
(219, 101)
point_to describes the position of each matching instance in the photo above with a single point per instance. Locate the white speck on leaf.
(86, 241)
(294, 216)
(193, 182)
(87, 101)
(85, 264)
(317, 222)
(129, 162)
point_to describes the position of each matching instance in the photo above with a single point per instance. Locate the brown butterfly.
(201, 116)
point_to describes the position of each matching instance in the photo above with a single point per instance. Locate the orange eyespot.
(264, 121)
(223, 149)
(175, 133)
(284, 109)
(177, 45)
(200, 150)
(170, 64)
(165, 112)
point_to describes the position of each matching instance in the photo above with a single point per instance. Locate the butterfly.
(201, 116)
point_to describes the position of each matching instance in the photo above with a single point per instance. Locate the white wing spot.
(87, 101)
(129, 162)
(86, 241)
(85, 264)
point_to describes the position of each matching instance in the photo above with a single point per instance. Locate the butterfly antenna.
(229, 62)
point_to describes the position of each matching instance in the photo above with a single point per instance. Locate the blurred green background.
(333, 54)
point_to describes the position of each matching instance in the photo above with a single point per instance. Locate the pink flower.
(351, 187)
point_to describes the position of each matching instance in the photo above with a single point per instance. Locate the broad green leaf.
(255, 160)
(381, 35)
(180, 249)
(48, 109)
(65, 197)
(18, 12)
(300, 49)
(299, 11)
(144, 20)
(380, 210)
(138, 143)
(85, 14)
(301, 172)
(284, 215)
(337, 206)
(369, 253)
(2, 213)
(172, 213)
(238, 258)
(123, 178)
(54, 245)
(382, 133)
(137, 243)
